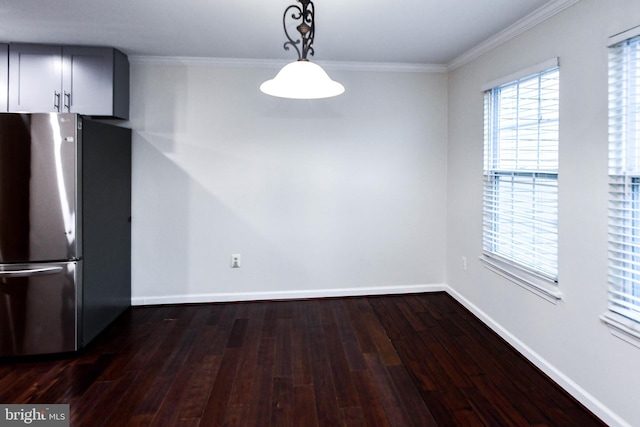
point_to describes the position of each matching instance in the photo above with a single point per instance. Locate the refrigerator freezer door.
(38, 308)
(38, 188)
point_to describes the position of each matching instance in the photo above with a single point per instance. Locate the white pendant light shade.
(302, 80)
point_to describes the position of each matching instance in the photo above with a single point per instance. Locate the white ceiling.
(401, 31)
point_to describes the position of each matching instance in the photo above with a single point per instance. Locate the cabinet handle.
(67, 101)
(56, 101)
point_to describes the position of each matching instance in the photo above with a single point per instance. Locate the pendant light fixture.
(301, 79)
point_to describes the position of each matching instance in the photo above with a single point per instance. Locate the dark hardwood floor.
(406, 360)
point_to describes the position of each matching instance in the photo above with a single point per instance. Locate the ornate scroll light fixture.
(301, 79)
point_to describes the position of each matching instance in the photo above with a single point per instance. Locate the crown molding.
(389, 67)
(277, 64)
(201, 61)
(536, 17)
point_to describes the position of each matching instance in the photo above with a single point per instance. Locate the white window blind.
(624, 178)
(521, 172)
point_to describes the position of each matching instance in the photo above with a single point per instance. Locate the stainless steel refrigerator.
(65, 203)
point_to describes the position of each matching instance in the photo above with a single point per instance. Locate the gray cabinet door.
(4, 77)
(35, 78)
(87, 85)
(95, 81)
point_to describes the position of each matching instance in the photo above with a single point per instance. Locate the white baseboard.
(556, 375)
(580, 394)
(282, 295)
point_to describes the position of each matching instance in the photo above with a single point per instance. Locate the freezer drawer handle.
(30, 272)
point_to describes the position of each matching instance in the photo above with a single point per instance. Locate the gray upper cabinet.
(93, 81)
(4, 77)
(35, 78)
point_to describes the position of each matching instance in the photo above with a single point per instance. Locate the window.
(624, 179)
(521, 174)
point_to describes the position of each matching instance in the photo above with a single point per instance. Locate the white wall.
(379, 190)
(567, 339)
(326, 197)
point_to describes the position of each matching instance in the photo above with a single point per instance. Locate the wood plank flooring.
(406, 360)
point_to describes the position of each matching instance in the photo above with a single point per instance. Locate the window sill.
(622, 327)
(541, 286)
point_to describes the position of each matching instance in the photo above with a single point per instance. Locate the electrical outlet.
(235, 260)
(464, 262)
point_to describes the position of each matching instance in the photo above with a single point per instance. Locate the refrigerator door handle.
(30, 272)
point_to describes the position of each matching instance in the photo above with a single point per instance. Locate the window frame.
(623, 322)
(541, 283)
